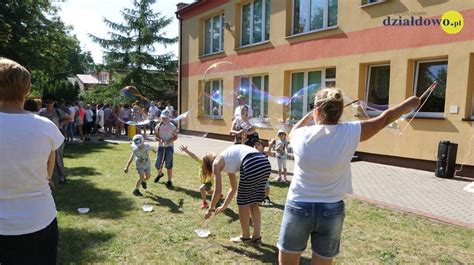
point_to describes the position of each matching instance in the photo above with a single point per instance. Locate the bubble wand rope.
(426, 94)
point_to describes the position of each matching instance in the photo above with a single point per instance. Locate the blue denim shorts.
(322, 221)
(168, 153)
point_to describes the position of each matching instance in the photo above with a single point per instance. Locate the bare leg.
(139, 181)
(244, 217)
(256, 220)
(288, 258)
(202, 189)
(170, 174)
(317, 260)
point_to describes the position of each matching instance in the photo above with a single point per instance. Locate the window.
(312, 15)
(368, 2)
(213, 98)
(426, 73)
(377, 87)
(255, 22)
(255, 90)
(303, 87)
(213, 32)
(103, 78)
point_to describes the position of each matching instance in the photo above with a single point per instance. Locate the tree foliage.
(130, 49)
(32, 34)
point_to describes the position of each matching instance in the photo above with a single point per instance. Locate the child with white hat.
(281, 146)
(142, 162)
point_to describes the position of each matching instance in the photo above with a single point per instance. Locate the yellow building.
(278, 52)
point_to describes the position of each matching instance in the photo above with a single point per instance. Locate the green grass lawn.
(118, 231)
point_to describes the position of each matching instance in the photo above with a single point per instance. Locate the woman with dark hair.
(28, 226)
(31, 106)
(242, 130)
(322, 175)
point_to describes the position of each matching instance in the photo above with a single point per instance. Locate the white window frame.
(367, 83)
(211, 42)
(212, 103)
(305, 78)
(428, 114)
(262, 93)
(308, 20)
(264, 22)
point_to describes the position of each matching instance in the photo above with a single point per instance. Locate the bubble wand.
(426, 94)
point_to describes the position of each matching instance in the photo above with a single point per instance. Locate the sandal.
(257, 240)
(238, 239)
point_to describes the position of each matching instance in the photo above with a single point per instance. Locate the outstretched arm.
(184, 148)
(372, 126)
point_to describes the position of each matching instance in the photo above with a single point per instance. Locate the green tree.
(32, 34)
(130, 49)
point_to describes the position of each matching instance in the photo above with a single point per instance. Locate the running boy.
(205, 173)
(280, 147)
(165, 134)
(142, 163)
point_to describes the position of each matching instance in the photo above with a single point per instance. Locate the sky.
(86, 16)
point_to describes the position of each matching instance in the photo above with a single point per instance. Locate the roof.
(88, 79)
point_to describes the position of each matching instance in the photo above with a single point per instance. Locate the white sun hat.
(137, 140)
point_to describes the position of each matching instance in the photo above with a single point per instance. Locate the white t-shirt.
(238, 110)
(152, 111)
(26, 203)
(166, 132)
(142, 160)
(234, 155)
(323, 154)
(100, 117)
(72, 112)
(88, 115)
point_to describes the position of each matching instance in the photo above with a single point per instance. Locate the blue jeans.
(168, 159)
(322, 221)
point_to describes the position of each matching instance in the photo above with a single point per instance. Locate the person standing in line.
(59, 118)
(71, 124)
(28, 224)
(80, 120)
(152, 116)
(100, 122)
(322, 175)
(107, 124)
(89, 122)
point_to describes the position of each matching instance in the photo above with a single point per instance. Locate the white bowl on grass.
(83, 210)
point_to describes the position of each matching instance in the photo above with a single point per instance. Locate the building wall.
(359, 40)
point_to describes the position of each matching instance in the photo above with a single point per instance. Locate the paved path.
(408, 190)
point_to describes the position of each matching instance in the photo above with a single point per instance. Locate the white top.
(88, 115)
(166, 132)
(234, 155)
(142, 160)
(72, 111)
(238, 110)
(152, 111)
(323, 154)
(100, 117)
(170, 109)
(26, 203)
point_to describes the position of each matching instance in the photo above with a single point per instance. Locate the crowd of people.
(314, 209)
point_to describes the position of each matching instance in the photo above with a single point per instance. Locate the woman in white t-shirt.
(254, 169)
(322, 175)
(28, 226)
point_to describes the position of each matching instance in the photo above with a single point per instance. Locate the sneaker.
(169, 184)
(144, 185)
(204, 205)
(266, 201)
(158, 177)
(239, 239)
(136, 192)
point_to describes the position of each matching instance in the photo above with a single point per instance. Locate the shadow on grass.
(280, 184)
(196, 194)
(80, 192)
(174, 208)
(81, 171)
(78, 246)
(77, 150)
(265, 253)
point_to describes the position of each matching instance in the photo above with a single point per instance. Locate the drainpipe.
(180, 67)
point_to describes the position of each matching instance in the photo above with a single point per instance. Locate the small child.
(281, 147)
(205, 173)
(165, 134)
(142, 162)
(261, 148)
